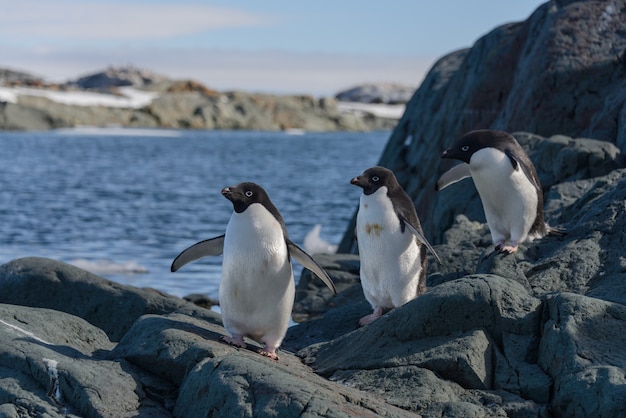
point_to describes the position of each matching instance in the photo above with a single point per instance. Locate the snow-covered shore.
(133, 98)
(128, 97)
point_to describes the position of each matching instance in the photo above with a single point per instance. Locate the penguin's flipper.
(213, 246)
(455, 174)
(420, 237)
(307, 262)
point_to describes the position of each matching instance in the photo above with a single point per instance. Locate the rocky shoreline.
(107, 100)
(539, 333)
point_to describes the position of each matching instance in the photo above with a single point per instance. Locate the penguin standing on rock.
(507, 184)
(391, 243)
(257, 289)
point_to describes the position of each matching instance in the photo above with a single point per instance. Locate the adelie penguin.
(391, 243)
(507, 184)
(257, 288)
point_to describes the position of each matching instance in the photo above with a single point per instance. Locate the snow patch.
(103, 266)
(129, 97)
(380, 110)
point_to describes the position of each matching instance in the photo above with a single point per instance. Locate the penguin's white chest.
(257, 289)
(509, 198)
(390, 261)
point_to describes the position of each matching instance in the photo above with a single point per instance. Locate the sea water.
(122, 203)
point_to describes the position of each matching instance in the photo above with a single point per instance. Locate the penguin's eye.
(465, 148)
(375, 178)
(248, 193)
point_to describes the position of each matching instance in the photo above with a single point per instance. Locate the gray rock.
(118, 77)
(388, 93)
(52, 365)
(56, 364)
(241, 386)
(462, 331)
(20, 117)
(313, 300)
(113, 307)
(583, 350)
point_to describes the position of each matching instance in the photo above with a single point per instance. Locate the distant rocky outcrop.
(118, 77)
(19, 78)
(387, 93)
(184, 104)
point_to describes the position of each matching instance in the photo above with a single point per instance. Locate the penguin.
(257, 289)
(507, 184)
(391, 243)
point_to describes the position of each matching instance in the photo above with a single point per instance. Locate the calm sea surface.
(124, 203)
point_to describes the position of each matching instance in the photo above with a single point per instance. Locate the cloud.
(110, 21)
(269, 71)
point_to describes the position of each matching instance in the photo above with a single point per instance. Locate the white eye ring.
(249, 193)
(375, 178)
(465, 148)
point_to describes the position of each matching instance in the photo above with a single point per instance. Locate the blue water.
(124, 203)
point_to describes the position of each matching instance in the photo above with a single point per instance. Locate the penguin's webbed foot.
(269, 353)
(235, 340)
(507, 249)
(368, 319)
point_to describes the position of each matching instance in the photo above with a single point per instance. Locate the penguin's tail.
(557, 231)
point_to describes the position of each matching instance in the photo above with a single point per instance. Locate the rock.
(19, 78)
(311, 299)
(23, 117)
(55, 364)
(583, 350)
(459, 330)
(387, 93)
(118, 77)
(110, 306)
(49, 362)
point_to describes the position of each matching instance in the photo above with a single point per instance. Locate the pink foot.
(236, 340)
(509, 249)
(269, 353)
(368, 319)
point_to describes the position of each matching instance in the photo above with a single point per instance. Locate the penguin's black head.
(473, 141)
(374, 178)
(245, 194)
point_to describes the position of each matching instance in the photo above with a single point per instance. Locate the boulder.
(110, 306)
(582, 349)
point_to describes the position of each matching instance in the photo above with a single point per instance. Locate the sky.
(274, 46)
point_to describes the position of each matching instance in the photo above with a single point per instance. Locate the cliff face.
(562, 71)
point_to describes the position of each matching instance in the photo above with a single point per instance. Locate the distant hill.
(10, 77)
(132, 97)
(385, 93)
(119, 77)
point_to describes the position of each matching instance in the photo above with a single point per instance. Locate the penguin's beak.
(356, 181)
(446, 154)
(227, 193)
